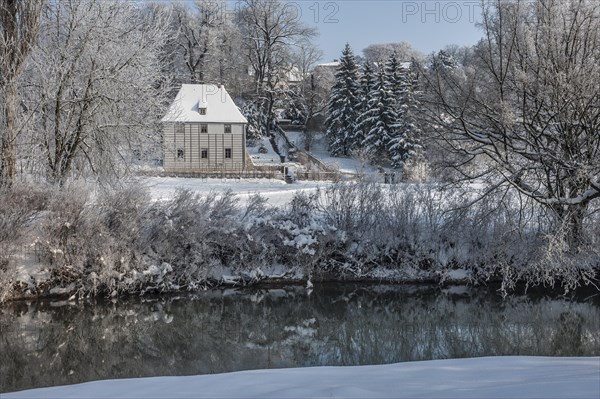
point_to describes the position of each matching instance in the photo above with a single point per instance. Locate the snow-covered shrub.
(427, 230)
(190, 233)
(555, 262)
(67, 234)
(87, 241)
(258, 239)
(20, 206)
(112, 262)
(113, 241)
(352, 207)
(479, 230)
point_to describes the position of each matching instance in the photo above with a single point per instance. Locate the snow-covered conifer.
(443, 61)
(342, 106)
(381, 117)
(367, 83)
(255, 120)
(394, 76)
(406, 143)
(295, 107)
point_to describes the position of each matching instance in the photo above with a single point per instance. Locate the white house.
(204, 131)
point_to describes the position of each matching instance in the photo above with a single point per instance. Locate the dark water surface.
(57, 343)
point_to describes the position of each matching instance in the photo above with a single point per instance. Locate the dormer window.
(202, 111)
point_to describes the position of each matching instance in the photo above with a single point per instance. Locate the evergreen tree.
(443, 61)
(406, 143)
(395, 76)
(381, 118)
(342, 105)
(256, 120)
(367, 83)
(295, 107)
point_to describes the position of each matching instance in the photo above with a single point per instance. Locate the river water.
(56, 343)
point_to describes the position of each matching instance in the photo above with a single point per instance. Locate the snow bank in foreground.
(491, 377)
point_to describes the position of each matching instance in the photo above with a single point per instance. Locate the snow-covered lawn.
(490, 377)
(278, 192)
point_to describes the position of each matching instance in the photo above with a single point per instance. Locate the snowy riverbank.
(172, 235)
(490, 377)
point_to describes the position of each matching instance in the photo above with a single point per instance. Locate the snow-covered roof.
(219, 106)
(330, 64)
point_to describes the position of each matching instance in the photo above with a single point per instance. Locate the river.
(46, 343)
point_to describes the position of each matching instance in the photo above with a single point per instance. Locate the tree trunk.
(19, 25)
(571, 225)
(9, 146)
(307, 141)
(308, 135)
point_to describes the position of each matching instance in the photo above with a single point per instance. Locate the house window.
(180, 154)
(202, 111)
(204, 128)
(204, 153)
(179, 128)
(228, 153)
(227, 128)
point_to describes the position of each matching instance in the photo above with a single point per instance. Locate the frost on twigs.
(108, 242)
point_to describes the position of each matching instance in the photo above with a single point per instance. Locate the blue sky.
(428, 25)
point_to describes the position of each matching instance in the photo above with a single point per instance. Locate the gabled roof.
(220, 108)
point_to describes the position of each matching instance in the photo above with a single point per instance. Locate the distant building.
(286, 78)
(204, 131)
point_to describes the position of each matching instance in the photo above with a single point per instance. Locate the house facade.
(204, 131)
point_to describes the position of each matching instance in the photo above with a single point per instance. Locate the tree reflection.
(45, 344)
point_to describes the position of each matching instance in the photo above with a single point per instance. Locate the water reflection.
(45, 344)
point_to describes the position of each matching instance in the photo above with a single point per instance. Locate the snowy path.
(490, 377)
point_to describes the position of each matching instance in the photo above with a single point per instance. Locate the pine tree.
(443, 61)
(406, 143)
(382, 119)
(342, 106)
(367, 83)
(255, 120)
(295, 108)
(395, 76)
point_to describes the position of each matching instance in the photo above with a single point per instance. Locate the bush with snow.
(115, 241)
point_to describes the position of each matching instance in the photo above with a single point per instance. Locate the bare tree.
(19, 23)
(270, 28)
(202, 32)
(379, 53)
(312, 93)
(97, 78)
(528, 110)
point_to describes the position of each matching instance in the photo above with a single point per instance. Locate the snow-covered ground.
(319, 151)
(490, 377)
(268, 158)
(278, 192)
